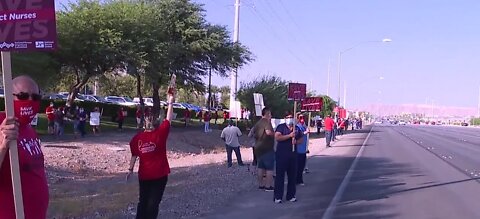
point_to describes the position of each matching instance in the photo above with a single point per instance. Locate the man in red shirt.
(50, 111)
(329, 123)
(151, 147)
(31, 160)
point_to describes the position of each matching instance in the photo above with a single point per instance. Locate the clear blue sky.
(434, 54)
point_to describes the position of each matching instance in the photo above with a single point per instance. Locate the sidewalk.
(327, 168)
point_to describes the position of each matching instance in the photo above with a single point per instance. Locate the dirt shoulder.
(87, 176)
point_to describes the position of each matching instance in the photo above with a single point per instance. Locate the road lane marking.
(338, 195)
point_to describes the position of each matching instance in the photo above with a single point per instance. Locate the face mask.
(26, 110)
(289, 121)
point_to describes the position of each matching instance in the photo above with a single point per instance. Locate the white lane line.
(338, 195)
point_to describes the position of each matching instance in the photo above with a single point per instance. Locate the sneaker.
(270, 189)
(293, 199)
(278, 201)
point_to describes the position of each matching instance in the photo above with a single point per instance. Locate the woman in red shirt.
(150, 146)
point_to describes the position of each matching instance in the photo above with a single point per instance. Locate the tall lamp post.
(340, 61)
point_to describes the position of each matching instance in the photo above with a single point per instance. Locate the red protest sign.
(297, 91)
(27, 25)
(343, 113)
(312, 104)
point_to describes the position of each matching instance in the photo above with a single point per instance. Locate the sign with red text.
(312, 104)
(297, 91)
(343, 113)
(27, 25)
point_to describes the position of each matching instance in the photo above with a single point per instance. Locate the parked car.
(147, 100)
(464, 124)
(402, 122)
(2, 92)
(124, 101)
(95, 98)
(53, 97)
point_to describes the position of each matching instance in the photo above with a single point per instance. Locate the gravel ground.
(87, 176)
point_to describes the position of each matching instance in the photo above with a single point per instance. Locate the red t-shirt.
(206, 117)
(139, 114)
(329, 123)
(121, 116)
(33, 178)
(187, 114)
(151, 148)
(50, 113)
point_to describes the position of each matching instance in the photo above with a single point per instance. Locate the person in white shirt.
(230, 135)
(95, 120)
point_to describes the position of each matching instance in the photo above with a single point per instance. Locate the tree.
(188, 46)
(274, 91)
(87, 47)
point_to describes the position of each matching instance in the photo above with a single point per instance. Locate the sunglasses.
(26, 96)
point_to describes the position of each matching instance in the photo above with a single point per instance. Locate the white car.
(147, 100)
(402, 122)
(124, 101)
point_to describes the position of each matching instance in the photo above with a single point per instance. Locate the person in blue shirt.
(286, 159)
(302, 150)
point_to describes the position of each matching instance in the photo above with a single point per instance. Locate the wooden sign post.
(27, 25)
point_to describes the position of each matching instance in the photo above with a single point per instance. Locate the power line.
(267, 24)
(300, 30)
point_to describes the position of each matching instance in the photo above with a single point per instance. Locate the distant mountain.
(428, 110)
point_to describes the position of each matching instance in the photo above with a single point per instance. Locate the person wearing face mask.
(287, 136)
(31, 159)
(302, 150)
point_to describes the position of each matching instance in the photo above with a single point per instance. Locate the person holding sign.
(95, 120)
(31, 160)
(150, 146)
(288, 137)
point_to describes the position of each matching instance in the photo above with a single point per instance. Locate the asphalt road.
(415, 172)
(395, 172)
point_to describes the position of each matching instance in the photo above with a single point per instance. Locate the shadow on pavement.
(326, 175)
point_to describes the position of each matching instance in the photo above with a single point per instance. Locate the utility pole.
(339, 79)
(328, 78)
(234, 74)
(345, 95)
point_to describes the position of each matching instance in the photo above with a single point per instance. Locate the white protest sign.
(95, 118)
(259, 105)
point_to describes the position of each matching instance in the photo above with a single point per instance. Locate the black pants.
(286, 164)
(237, 153)
(254, 162)
(120, 124)
(151, 193)
(81, 128)
(302, 160)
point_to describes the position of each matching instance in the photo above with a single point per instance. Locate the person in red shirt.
(50, 111)
(32, 168)
(329, 124)
(206, 120)
(120, 118)
(186, 114)
(150, 146)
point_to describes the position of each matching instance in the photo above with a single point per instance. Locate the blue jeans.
(328, 137)
(237, 153)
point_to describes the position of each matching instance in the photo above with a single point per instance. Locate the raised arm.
(170, 101)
